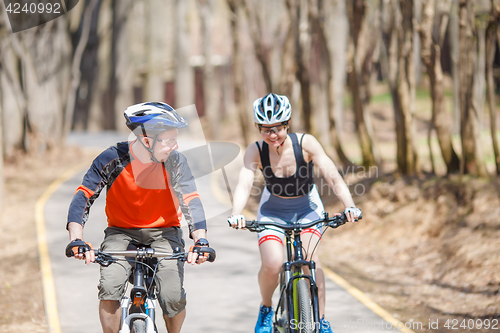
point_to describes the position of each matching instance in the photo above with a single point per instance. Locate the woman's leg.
(271, 254)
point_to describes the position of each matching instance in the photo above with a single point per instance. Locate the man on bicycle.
(149, 187)
(286, 161)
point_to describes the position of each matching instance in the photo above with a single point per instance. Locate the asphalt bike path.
(222, 296)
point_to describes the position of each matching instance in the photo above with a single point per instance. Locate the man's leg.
(174, 324)
(113, 280)
(109, 314)
(170, 278)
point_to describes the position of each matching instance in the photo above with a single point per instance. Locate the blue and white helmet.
(271, 109)
(152, 118)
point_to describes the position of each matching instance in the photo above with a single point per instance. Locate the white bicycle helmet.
(152, 118)
(271, 109)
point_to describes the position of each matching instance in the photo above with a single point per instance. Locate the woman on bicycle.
(286, 161)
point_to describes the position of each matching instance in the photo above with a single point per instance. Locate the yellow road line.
(358, 294)
(377, 309)
(49, 292)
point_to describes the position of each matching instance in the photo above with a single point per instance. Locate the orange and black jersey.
(139, 195)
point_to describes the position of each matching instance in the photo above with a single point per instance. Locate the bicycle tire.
(306, 323)
(139, 326)
(282, 306)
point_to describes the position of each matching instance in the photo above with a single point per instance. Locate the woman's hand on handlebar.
(353, 214)
(237, 221)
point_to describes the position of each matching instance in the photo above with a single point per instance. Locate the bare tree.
(207, 8)
(184, 78)
(453, 29)
(363, 47)
(261, 50)
(398, 30)
(318, 28)
(492, 36)
(298, 14)
(472, 161)
(237, 70)
(89, 69)
(75, 67)
(432, 30)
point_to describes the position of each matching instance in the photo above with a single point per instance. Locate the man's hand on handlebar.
(237, 221)
(194, 255)
(80, 250)
(353, 214)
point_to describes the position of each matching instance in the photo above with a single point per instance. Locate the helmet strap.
(150, 150)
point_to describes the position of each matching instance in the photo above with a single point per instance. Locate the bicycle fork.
(289, 293)
(138, 305)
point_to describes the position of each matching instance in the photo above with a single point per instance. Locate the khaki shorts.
(170, 276)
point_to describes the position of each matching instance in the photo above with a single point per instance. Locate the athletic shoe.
(325, 326)
(265, 320)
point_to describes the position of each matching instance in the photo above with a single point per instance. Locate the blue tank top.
(300, 183)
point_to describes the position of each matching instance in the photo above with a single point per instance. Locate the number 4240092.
(32, 8)
(454, 324)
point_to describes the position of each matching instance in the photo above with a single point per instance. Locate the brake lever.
(104, 259)
(256, 229)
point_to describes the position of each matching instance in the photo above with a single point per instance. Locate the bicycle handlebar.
(152, 253)
(148, 253)
(332, 222)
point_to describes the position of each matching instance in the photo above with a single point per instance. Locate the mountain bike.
(298, 306)
(139, 310)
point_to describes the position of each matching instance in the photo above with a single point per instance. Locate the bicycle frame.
(140, 304)
(292, 270)
(292, 275)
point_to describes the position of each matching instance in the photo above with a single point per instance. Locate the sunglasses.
(169, 142)
(274, 129)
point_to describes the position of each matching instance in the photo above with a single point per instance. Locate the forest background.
(403, 95)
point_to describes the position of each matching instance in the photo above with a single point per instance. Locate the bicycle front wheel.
(304, 304)
(139, 326)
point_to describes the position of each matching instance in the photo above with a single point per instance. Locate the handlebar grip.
(208, 250)
(77, 246)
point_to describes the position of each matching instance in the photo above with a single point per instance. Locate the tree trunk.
(362, 47)
(337, 34)
(472, 161)
(13, 99)
(109, 98)
(454, 28)
(210, 80)
(479, 73)
(302, 42)
(491, 39)
(408, 163)
(89, 69)
(184, 78)
(397, 27)
(261, 51)
(237, 69)
(75, 67)
(318, 28)
(431, 56)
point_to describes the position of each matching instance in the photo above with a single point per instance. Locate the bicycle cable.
(317, 243)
